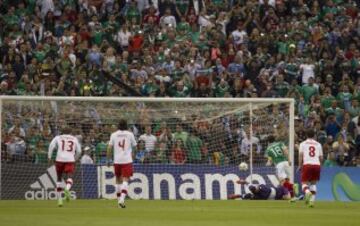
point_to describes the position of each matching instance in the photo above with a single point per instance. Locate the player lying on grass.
(278, 154)
(263, 192)
(67, 151)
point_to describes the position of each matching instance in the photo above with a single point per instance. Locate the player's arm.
(301, 155)
(52, 146)
(321, 156)
(133, 141)
(77, 150)
(286, 153)
(109, 150)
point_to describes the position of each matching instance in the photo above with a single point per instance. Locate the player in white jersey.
(122, 143)
(310, 158)
(68, 151)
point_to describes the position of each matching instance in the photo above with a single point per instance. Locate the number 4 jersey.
(311, 150)
(122, 143)
(67, 147)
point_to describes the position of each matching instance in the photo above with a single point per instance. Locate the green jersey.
(276, 152)
(194, 145)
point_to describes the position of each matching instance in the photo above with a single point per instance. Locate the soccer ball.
(243, 166)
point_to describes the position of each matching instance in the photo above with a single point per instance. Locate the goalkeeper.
(278, 154)
(263, 192)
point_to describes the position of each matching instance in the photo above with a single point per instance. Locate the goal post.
(188, 148)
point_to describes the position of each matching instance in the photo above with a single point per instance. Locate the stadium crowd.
(307, 50)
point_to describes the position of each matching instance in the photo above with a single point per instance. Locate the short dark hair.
(310, 133)
(65, 129)
(122, 125)
(271, 139)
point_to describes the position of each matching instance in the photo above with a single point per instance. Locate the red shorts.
(310, 173)
(123, 170)
(64, 167)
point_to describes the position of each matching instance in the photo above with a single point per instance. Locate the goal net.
(187, 148)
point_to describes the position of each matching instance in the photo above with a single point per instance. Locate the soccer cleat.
(60, 202)
(67, 195)
(311, 204)
(307, 198)
(293, 200)
(122, 205)
(296, 189)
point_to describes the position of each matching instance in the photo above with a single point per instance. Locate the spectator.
(141, 153)
(149, 139)
(180, 134)
(178, 155)
(330, 160)
(86, 159)
(193, 146)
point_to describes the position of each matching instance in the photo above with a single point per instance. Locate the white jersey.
(68, 148)
(122, 143)
(311, 150)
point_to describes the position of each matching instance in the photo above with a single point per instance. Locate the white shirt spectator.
(204, 21)
(123, 38)
(307, 72)
(161, 78)
(246, 144)
(86, 159)
(239, 36)
(192, 68)
(270, 2)
(168, 21)
(46, 6)
(150, 141)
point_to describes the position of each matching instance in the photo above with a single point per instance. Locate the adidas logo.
(45, 187)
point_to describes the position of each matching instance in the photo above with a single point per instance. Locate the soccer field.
(169, 213)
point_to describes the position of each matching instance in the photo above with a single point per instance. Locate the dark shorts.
(310, 173)
(64, 167)
(123, 170)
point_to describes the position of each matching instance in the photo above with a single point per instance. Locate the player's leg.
(119, 187)
(59, 171)
(315, 177)
(313, 191)
(117, 171)
(283, 174)
(305, 179)
(124, 191)
(126, 173)
(69, 170)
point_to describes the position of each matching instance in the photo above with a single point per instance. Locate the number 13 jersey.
(67, 147)
(122, 143)
(311, 150)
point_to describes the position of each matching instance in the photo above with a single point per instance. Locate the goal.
(188, 148)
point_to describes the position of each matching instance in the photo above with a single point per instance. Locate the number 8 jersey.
(122, 143)
(312, 151)
(67, 147)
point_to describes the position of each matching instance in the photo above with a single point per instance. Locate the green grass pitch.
(172, 213)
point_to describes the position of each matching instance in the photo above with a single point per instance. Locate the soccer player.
(310, 158)
(68, 151)
(278, 154)
(121, 143)
(263, 192)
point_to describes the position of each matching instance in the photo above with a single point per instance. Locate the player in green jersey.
(278, 155)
